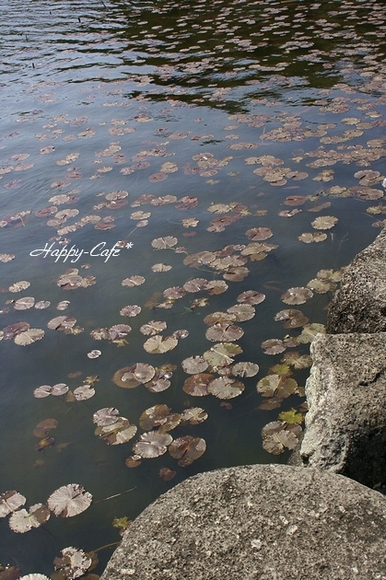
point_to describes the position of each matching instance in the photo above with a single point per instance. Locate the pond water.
(241, 143)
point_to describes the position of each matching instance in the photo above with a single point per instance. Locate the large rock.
(360, 304)
(258, 522)
(346, 393)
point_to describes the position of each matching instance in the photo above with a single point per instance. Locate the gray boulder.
(258, 522)
(360, 304)
(346, 393)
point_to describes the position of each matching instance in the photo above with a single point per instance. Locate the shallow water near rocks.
(194, 125)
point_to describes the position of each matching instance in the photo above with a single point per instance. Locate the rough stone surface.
(360, 304)
(258, 522)
(346, 393)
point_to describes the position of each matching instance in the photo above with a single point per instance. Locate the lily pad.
(117, 433)
(296, 295)
(197, 384)
(224, 332)
(194, 364)
(22, 521)
(276, 385)
(29, 336)
(84, 392)
(251, 297)
(69, 500)
(73, 563)
(194, 416)
(153, 327)
(273, 346)
(164, 243)
(279, 436)
(291, 318)
(221, 354)
(245, 369)
(161, 417)
(187, 449)
(226, 388)
(158, 344)
(10, 501)
(131, 377)
(152, 444)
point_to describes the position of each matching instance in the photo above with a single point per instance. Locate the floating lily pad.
(24, 303)
(33, 577)
(242, 312)
(10, 501)
(297, 360)
(259, 234)
(292, 417)
(187, 449)
(279, 436)
(197, 384)
(29, 336)
(19, 286)
(296, 295)
(131, 377)
(194, 364)
(130, 310)
(152, 444)
(84, 392)
(251, 297)
(276, 385)
(309, 238)
(117, 433)
(61, 323)
(325, 222)
(310, 331)
(9, 332)
(273, 346)
(161, 417)
(23, 521)
(219, 318)
(69, 500)
(291, 318)
(105, 416)
(133, 281)
(226, 388)
(216, 287)
(223, 332)
(221, 354)
(153, 327)
(194, 416)
(164, 243)
(245, 369)
(195, 285)
(94, 354)
(174, 293)
(158, 344)
(160, 382)
(73, 563)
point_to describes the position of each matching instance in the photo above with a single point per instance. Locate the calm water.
(134, 121)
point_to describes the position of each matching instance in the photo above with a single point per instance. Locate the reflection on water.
(239, 145)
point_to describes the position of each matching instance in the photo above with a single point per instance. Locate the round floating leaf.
(195, 285)
(324, 222)
(279, 436)
(161, 417)
(153, 327)
(22, 521)
(69, 500)
(152, 444)
(296, 295)
(59, 389)
(105, 416)
(133, 461)
(292, 318)
(194, 364)
(118, 331)
(84, 392)
(273, 346)
(258, 234)
(187, 449)
(242, 312)
(223, 332)
(276, 385)
(29, 336)
(297, 360)
(164, 243)
(226, 388)
(131, 377)
(194, 416)
(42, 392)
(73, 563)
(42, 304)
(159, 267)
(216, 287)
(251, 297)
(310, 331)
(10, 501)
(19, 286)
(182, 333)
(197, 385)
(174, 293)
(292, 417)
(309, 238)
(158, 344)
(13, 330)
(133, 281)
(117, 433)
(94, 354)
(219, 318)
(61, 323)
(130, 310)
(160, 382)
(245, 369)
(24, 303)
(220, 355)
